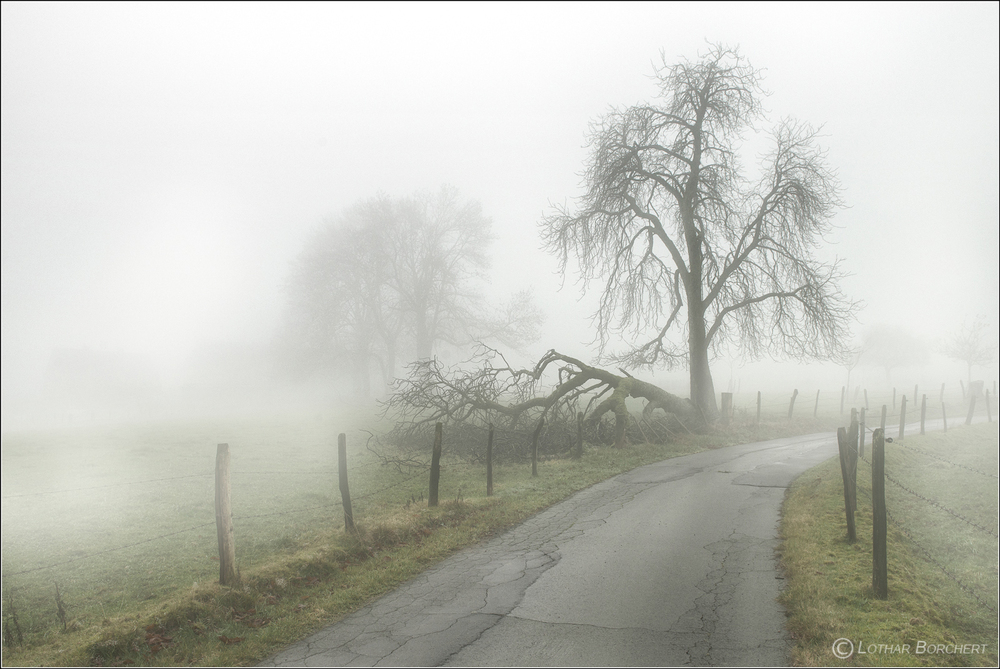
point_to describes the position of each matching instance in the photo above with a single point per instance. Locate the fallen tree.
(486, 390)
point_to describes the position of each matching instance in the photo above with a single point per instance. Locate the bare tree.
(890, 347)
(487, 389)
(686, 245)
(972, 344)
(393, 278)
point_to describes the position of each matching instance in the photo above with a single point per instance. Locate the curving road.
(669, 564)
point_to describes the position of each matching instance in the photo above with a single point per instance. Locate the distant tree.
(890, 347)
(392, 279)
(686, 245)
(973, 344)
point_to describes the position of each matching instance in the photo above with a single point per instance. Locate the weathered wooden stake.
(880, 566)
(727, 407)
(866, 398)
(881, 423)
(923, 412)
(902, 415)
(816, 406)
(489, 463)
(791, 405)
(345, 490)
(224, 518)
(579, 435)
(853, 435)
(758, 407)
(432, 496)
(845, 475)
(944, 417)
(843, 394)
(861, 431)
(534, 446)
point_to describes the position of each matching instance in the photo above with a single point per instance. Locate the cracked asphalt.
(670, 564)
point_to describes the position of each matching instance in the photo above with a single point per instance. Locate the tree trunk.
(702, 387)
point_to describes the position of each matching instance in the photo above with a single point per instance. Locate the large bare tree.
(973, 344)
(688, 247)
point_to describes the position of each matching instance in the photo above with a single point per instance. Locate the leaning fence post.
(848, 508)
(880, 570)
(944, 417)
(882, 421)
(791, 405)
(816, 406)
(534, 446)
(432, 495)
(345, 490)
(224, 517)
(843, 394)
(902, 415)
(758, 408)
(489, 463)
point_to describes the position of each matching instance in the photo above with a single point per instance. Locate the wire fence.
(964, 554)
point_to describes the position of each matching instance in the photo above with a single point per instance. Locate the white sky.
(164, 163)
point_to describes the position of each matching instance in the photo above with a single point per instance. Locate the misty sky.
(163, 164)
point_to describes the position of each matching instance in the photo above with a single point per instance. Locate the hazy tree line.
(394, 280)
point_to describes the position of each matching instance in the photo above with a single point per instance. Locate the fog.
(164, 164)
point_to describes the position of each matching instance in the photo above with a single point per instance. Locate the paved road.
(669, 564)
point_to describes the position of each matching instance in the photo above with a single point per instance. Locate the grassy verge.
(121, 520)
(942, 603)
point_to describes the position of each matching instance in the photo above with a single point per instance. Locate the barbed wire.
(109, 550)
(110, 485)
(930, 558)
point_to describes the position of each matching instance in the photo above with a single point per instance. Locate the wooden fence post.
(923, 412)
(579, 435)
(972, 408)
(902, 415)
(853, 435)
(882, 422)
(432, 495)
(489, 463)
(866, 398)
(843, 394)
(861, 431)
(848, 508)
(534, 446)
(345, 490)
(944, 417)
(224, 517)
(816, 406)
(880, 567)
(758, 408)
(791, 405)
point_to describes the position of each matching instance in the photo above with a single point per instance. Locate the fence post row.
(345, 491)
(224, 517)
(880, 570)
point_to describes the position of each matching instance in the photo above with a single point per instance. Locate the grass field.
(121, 520)
(942, 554)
